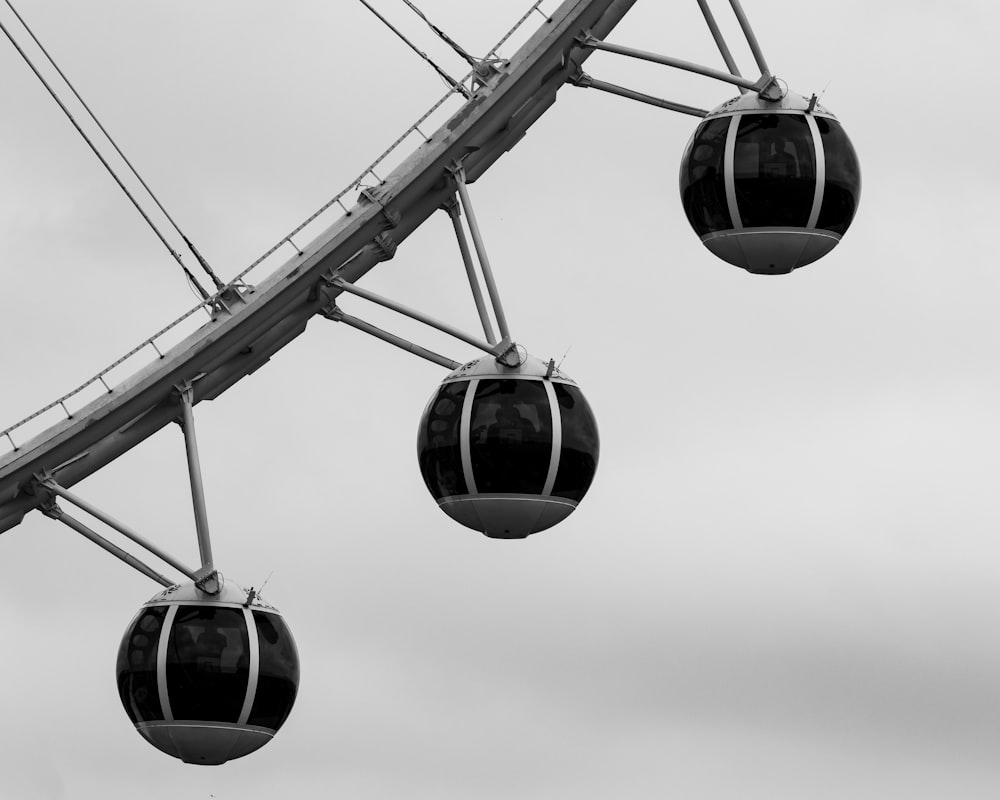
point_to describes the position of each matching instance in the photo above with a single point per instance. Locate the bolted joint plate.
(208, 580)
(383, 246)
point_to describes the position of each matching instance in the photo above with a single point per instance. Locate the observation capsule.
(207, 678)
(770, 186)
(508, 451)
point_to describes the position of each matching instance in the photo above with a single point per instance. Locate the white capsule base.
(207, 743)
(771, 251)
(507, 516)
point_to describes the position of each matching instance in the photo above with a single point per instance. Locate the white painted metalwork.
(197, 483)
(729, 172)
(720, 41)
(668, 61)
(820, 155)
(412, 313)
(556, 422)
(111, 522)
(465, 435)
(53, 511)
(470, 271)
(587, 82)
(337, 315)
(254, 675)
(751, 38)
(161, 662)
(484, 259)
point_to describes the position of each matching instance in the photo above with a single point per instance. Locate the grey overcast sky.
(783, 583)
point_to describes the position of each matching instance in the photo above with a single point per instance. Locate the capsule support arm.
(339, 283)
(751, 40)
(53, 511)
(585, 81)
(454, 212)
(720, 41)
(668, 61)
(207, 577)
(336, 315)
(484, 261)
(50, 485)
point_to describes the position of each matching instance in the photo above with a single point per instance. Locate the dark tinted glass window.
(703, 188)
(774, 170)
(580, 445)
(278, 680)
(137, 666)
(511, 436)
(208, 663)
(843, 178)
(438, 442)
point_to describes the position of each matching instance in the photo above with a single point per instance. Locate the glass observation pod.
(508, 451)
(770, 186)
(207, 678)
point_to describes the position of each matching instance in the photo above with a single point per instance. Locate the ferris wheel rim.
(476, 135)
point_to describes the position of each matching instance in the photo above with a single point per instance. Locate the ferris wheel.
(507, 445)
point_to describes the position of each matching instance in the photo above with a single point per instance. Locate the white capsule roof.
(752, 102)
(488, 367)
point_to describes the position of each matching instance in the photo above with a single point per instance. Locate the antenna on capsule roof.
(814, 100)
(254, 594)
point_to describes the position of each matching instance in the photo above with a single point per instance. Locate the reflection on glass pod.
(508, 451)
(770, 186)
(207, 678)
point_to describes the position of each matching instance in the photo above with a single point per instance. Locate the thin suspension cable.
(444, 36)
(218, 284)
(97, 153)
(455, 85)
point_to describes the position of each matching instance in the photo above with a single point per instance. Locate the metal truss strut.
(53, 511)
